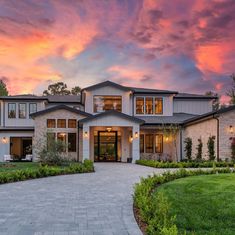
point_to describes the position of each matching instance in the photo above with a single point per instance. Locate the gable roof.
(58, 107)
(210, 114)
(106, 83)
(113, 112)
(139, 90)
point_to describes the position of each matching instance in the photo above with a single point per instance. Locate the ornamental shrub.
(199, 150)
(188, 148)
(211, 148)
(233, 149)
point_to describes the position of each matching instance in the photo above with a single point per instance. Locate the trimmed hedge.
(45, 171)
(156, 215)
(189, 164)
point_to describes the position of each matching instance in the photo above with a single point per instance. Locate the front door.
(107, 146)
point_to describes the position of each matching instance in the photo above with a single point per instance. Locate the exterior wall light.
(136, 134)
(231, 129)
(85, 134)
(4, 140)
(131, 138)
(167, 139)
(109, 129)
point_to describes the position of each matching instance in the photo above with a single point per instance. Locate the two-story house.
(111, 122)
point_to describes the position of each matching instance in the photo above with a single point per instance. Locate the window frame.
(139, 97)
(72, 150)
(50, 120)
(25, 105)
(154, 108)
(152, 143)
(75, 120)
(30, 110)
(57, 125)
(9, 110)
(142, 148)
(118, 96)
(161, 143)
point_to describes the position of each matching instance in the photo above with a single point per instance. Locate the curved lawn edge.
(147, 213)
(45, 171)
(190, 164)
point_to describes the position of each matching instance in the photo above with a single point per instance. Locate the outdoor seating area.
(12, 158)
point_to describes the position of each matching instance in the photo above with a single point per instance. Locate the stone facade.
(225, 121)
(203, 130)
(41, 130)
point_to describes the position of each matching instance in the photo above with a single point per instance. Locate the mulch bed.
(142, 225)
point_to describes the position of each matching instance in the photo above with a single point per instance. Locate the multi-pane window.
(32, 108)
(141, 143)
(11, 110)
(72, 142)
(50, 139)
(149, 143)
(158, 105)
(148, 105)
(72, 123)
(50, 123)
(105, 103)
(139, 105)
(22, 110)
(158, 143)
(61, 123)
(62, 137)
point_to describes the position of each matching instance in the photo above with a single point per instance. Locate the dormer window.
(149, 105)
(105, 103)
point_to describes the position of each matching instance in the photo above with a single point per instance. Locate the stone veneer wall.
(201, 130)
(41, 130)
(226, 120)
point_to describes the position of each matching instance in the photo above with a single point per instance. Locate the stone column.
(135, 143)
(86, 142)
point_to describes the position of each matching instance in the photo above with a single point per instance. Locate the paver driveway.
(93, 203)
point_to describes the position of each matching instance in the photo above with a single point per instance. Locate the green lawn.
(203, 204)
(12, 166)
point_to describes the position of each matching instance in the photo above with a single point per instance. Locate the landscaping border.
(153, 218)
(45, 171)
(189, 164)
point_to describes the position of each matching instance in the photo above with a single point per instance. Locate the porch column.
(86, 142)
(135, 143)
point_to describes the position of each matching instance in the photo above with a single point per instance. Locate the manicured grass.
(13, 166)
(203, 204)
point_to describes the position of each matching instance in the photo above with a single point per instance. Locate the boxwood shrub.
(154, 215)
(188, 164)
(45, 171)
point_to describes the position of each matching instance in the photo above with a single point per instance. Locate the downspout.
(181, 143)
(217, 119)
(78, 142)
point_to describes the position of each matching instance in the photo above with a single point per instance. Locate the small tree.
(58, 88)
(188, 148)
(3, 88)
(211, 147)
(199, 149)
(231, 91)
(76, 90)
(233, 149)
(172, 131)
(52, 152)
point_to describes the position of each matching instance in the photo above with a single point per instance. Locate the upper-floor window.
(22, 110)
(72, 123)
(61, 123)
(32, 108)
(50, 123)
(11, 110)
(105, 103)
(148, 105)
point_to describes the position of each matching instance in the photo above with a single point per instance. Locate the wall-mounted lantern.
(231, 129)
(85, 134)
(131, 138)
(109, 129)
(136, 134)
(4, 140)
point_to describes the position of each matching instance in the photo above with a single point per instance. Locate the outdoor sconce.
(109, 129)
(136, 134)
(131, 138)
(167, 139)
(4, 140)
(231, 129)
(85, 134)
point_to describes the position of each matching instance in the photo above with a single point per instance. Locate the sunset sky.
(184, 45)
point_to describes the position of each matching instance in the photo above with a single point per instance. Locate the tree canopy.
(3, 89)
(60, 88)
(231, 91)
(216, 102)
